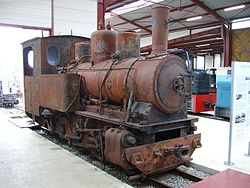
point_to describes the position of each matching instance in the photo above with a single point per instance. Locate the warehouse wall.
(25, 12)
(76, 16)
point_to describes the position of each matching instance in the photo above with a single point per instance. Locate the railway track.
(174, 178)
(182, 176)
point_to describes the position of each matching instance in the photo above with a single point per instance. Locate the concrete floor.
(214, 151)
(28, 160)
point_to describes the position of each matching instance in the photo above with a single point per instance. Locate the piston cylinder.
(160, 17)
(102, 45)
(128, 44)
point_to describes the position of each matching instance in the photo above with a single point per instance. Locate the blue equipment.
(223, 96)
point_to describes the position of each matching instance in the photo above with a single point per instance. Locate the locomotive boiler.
(102, 96)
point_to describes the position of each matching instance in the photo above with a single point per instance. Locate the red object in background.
(203, 103)
(226, 179)
(212, 90)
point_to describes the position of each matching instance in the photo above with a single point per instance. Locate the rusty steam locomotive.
(101, 95)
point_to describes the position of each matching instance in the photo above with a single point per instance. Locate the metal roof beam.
(205, 35)
(189, 45)
(192, 27)
(218, 51)
(205, 48)
(100, 12)
(216, 31)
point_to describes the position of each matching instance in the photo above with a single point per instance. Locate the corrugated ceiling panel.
(175, 26)
(188, 12)
(240, 13)
(138, 14)
(192, 11)
(214, 4)
(114, 20)
(176, 3)
(147, 10)
(126, 27)
(26, 12)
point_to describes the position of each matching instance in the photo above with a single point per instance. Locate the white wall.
(80, 16)
(26, 12)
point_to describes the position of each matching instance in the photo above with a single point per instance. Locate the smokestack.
(160, 17)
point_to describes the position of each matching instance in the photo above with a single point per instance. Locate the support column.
(52, 31)
(227, 45)
(100, 13)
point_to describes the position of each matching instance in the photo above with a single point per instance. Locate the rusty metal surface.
(32, 98)
(102, 45)
(151, 80)
(128, 44)
(163, 155)
(82, 49)
(58, 92)
(114, 150)
(160, 19)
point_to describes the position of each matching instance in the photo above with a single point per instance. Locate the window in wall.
(241, 23)
(217, 60)
(195, 62)
(28, 60)
(31, 58)
(208, 61)
(53, 55)
(200, 62)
